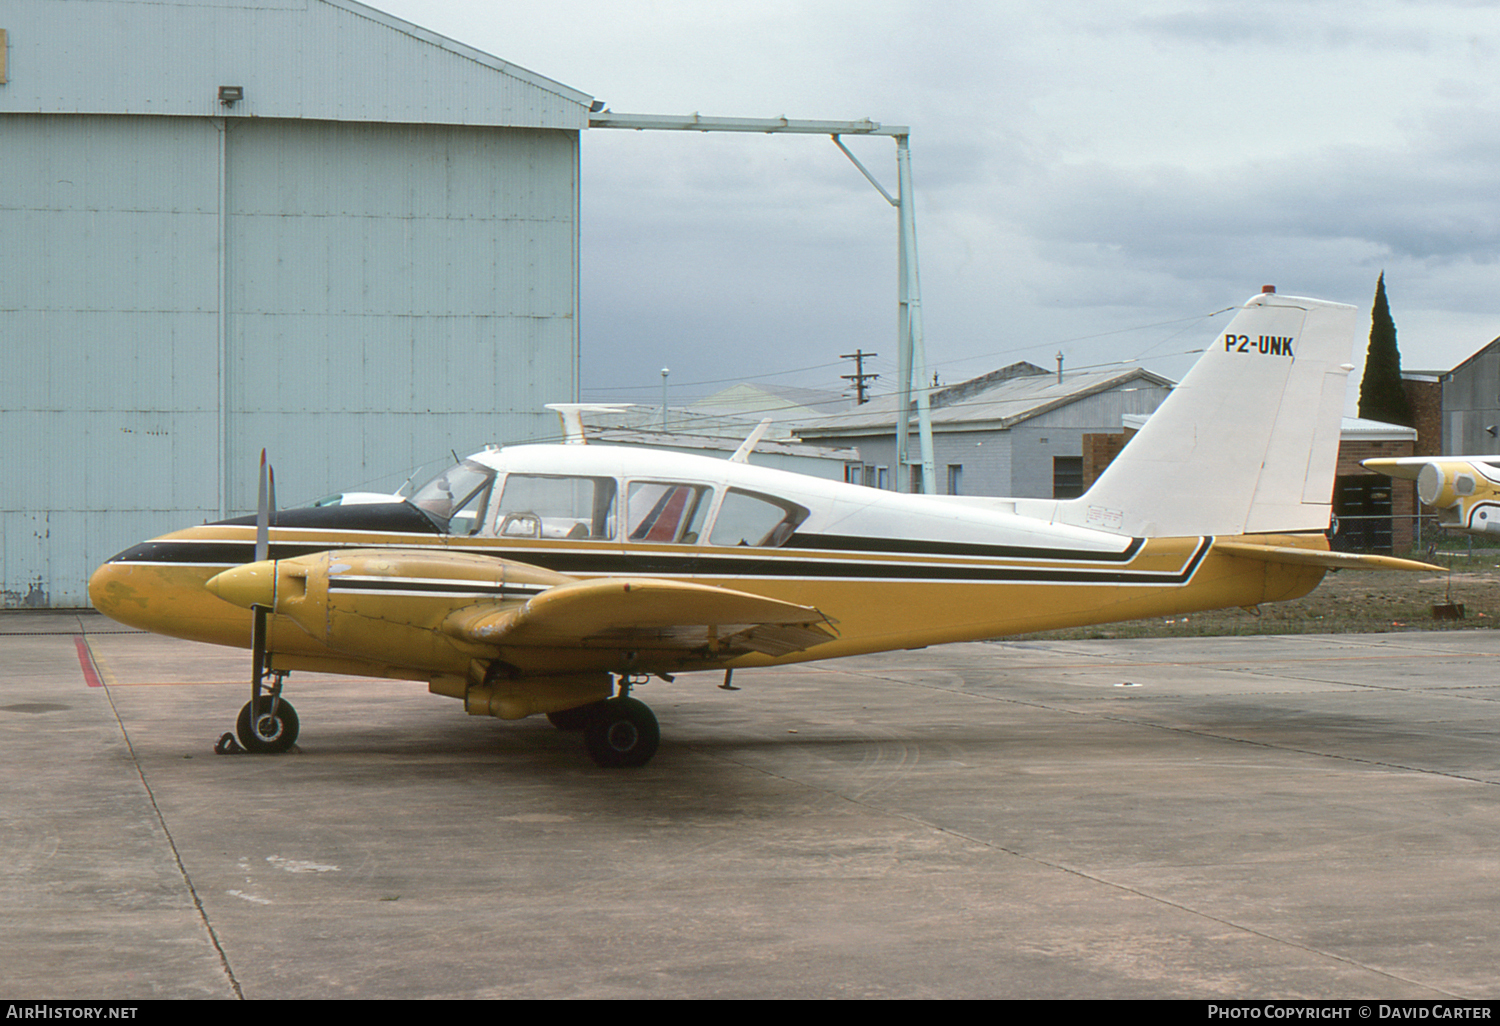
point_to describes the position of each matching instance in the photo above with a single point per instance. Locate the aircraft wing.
(647, 612)
(1319, 557)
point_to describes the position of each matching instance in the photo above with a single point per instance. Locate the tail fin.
(1248, 442)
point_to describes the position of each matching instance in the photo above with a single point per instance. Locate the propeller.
(265, 504)
(266, 723)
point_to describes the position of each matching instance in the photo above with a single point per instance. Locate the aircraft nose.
(253, 584)
(109, 589)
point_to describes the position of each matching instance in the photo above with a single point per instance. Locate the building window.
(1067, 477)
(955, 478)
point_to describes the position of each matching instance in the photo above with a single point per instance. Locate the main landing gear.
(619, 731)
(622, 732)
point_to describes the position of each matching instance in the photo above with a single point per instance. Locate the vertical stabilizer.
(1248, 442)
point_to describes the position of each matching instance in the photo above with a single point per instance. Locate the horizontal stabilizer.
(1323, 558)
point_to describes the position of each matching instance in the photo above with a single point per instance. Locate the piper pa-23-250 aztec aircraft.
(527, 579)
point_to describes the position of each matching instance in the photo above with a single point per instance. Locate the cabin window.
(748, 519)
(660, 511)
(458, 496)
(546, 506)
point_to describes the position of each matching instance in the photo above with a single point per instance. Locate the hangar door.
(1362, 509)
(182, 291)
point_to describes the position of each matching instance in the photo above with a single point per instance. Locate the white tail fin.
(1248, 442)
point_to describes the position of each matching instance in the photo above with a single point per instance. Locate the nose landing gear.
(268, 725)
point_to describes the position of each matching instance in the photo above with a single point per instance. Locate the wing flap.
(646, 613)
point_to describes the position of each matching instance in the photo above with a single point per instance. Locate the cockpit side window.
(458, 496)
(662, 511)
(546, 506)
(748, 519)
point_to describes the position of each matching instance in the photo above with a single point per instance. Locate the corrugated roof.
(1360, 430)
(754, 400)
(334, 60)
(994, 401)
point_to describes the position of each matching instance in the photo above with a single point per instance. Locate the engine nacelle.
(1442, 485)
(383, 606)
(1466, 494)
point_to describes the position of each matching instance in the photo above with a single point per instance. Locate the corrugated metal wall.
(415, 280)
(364, 296)
(1471, 403)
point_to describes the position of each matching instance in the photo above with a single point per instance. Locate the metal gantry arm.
(912, 355)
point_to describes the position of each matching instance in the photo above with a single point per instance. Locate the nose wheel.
(267, 725)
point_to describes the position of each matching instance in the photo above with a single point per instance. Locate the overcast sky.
(1093, 177)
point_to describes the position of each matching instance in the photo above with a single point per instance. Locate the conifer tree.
(1381, 394)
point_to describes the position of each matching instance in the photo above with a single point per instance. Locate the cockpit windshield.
(457, 496)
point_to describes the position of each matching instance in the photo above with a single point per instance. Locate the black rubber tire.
(622, 732)
(266, 734)
(573, 719)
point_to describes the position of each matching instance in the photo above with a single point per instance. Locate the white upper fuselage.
(833, 508)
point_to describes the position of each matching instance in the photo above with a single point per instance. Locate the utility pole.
(859, 375)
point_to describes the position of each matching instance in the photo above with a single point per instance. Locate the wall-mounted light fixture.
(230, 95)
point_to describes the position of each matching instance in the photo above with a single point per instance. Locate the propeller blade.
(262, 513)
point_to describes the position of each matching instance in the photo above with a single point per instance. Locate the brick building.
(1373, 512)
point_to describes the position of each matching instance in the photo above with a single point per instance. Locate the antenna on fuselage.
(742, 454)
(571, 415)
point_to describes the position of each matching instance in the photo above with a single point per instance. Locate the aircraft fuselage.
(889, 571)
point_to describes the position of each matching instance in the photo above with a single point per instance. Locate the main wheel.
(622, 732)
(263, 733)
(576, 718)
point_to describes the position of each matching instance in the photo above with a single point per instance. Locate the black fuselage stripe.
(695, 565)
(909, 547)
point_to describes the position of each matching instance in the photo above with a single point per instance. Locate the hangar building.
(232, 224)
(1017, 431)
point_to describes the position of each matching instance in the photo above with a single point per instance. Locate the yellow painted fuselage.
(875, 600)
